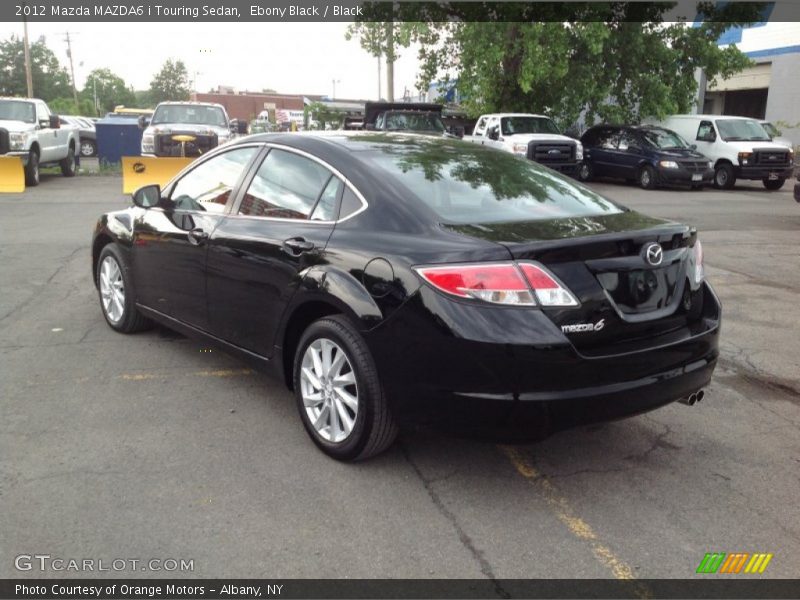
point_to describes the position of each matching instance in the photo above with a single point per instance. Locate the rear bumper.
(782, 172)
(684, 177)
(455, 372)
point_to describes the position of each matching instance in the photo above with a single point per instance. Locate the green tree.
(323, 115)
(170, 83)
(382, 39)
(109, 89)
(67, 106)
(613, 61)
(50, 79)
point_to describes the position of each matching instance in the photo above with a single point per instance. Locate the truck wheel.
(32, 169)
(88, 148)
(773, 184)
(724, 177)
(68, 164)
(647, 177)
(585, 171)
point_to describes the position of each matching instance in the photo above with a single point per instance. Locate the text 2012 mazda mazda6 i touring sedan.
(389, 277)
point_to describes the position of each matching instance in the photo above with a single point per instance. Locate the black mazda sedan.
(396, 277)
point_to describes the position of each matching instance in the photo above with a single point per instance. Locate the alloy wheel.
(329, 390)
(112, 290)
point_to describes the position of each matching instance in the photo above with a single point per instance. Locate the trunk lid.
(626, 301)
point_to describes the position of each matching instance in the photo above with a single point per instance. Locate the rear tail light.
(699, 270)
(500, 283)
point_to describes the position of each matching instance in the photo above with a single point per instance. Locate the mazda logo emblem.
(654, 254)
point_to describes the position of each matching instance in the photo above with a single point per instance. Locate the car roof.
(188, 103)
(515, 115)
(707, 117)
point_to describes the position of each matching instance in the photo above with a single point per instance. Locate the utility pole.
(72, 70)
(379, 77)
(390, 61)
(335, 81)
(27, 47)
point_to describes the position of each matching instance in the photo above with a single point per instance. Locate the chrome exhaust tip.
(689, 400)
(700, 395)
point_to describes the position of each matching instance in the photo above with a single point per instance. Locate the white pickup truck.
(29, 130)
(535, 137)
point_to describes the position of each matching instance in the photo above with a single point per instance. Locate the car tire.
(32, 176)
(88, 148)
(647, 177)
(773, 184)
(116, 292)
(724, 177)
(585, 172)
(68, 164)
(347, 421)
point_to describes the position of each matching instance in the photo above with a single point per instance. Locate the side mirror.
(147, 196)
(143, 121)
(52, 122)
(493, 133)
(241, 127)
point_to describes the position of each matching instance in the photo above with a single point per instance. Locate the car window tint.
(608, 139)
(350, 203)
(706, 133)
(626, 140)
(208, 186)
(286, 186)
(325, 210)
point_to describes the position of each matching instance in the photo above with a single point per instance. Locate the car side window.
(480, 126)
(706, 133)
(627, 140)
(325, 210)
(42, 114)
(350, 203)
(286, 186)
(208, 186)
(607, 138)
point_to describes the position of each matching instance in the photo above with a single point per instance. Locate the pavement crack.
(465, 539)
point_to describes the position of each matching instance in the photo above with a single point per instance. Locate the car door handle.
(297, 245)
(197, 236)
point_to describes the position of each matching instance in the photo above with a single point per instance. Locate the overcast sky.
(295, 58)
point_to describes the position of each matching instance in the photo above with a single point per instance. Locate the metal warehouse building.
(770, 89)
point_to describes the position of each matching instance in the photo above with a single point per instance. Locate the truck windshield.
(664, 139)
(742, 130)
(189, 114)
(17, 110)
(513, 125)
(469, 184)
(410, 121)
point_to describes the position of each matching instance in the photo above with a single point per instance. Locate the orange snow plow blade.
(138, 171)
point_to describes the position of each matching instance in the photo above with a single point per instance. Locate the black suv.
(650, 156)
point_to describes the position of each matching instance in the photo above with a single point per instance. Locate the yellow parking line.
(576, 525)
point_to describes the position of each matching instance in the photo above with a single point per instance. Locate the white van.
(739, 147)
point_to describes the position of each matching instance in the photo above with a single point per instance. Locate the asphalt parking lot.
(150, 446)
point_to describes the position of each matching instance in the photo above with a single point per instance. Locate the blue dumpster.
(118, 136)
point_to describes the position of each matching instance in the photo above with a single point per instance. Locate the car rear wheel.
(116, 292)
(32, 170)
(773, 184)
(88, 148)
(647, 177)
(724, 177)
(340, 399)
(68, 164)
(585, 171)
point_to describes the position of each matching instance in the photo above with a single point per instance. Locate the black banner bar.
(169, 589)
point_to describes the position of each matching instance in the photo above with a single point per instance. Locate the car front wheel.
(340, 399)
(116, 292)
(68, 164)
(647, 177)
(724, 177)
(32, 169)
(585, 171)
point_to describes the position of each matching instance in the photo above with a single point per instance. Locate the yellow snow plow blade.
(138, 171)
(12, 175)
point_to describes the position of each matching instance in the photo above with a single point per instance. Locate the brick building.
(247, 105)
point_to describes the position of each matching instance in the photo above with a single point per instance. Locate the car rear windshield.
(513, 125)
(664, 139)
(15, 110)
(413, 122)
(468, 184)
(742, 130)
(188, 114)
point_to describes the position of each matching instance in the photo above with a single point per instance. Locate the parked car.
(417, 117)
(29, 130)
(776, 134)
(648, 155)
(739, 147)
(394, 277)
(86, 133)
(187, 129)
(535, 137)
